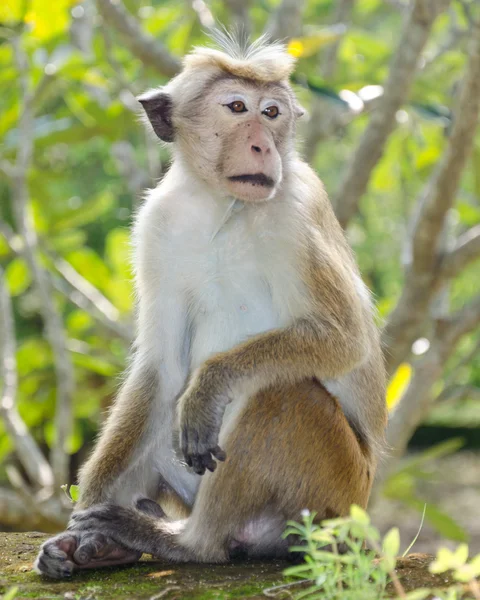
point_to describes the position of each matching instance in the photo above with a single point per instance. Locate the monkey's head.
(231, 115)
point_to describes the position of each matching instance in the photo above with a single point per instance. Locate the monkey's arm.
(330, 340)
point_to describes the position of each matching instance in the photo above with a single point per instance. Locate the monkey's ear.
(298, 111)
(158, 107)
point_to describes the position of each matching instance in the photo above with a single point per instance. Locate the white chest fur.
(235, 291)
(231, 269)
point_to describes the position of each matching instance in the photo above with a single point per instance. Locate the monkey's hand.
(71, 550)
(200, 418)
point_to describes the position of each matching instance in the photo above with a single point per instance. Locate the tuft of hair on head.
(261, 60)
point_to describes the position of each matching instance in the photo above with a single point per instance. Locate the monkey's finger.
(218, 453)
(197, 464)
(92, 546)
(208, 462)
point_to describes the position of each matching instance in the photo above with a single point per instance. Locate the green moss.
(142, 581)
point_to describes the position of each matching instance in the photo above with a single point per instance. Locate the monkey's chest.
(232, 295)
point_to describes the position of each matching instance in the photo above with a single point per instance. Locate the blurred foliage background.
(91, 159)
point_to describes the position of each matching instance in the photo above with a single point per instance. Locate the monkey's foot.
(73, 550)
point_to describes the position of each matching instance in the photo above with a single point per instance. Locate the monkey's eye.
(237, 106)
(271, 111)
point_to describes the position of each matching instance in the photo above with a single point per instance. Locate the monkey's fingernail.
(218, 453)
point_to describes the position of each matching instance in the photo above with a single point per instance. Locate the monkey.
(256, 387)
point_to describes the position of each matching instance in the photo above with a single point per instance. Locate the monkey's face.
(240, 134)
(236, 134)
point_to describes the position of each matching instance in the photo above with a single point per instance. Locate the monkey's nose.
(263, 149)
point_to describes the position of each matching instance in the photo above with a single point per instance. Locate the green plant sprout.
(72, 492)
(346, 559)
(464, 571)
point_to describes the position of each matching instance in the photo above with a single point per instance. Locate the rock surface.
(153, 580)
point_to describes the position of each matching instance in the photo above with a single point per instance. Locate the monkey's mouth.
(255, 179)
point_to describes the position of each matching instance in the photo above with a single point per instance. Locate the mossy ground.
(147, 579)
(154, 580)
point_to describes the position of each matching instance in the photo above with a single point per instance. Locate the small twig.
(140, 43)
(27, 449)
(273, 592)
(167, 590)
(466, 250)
(204, 14)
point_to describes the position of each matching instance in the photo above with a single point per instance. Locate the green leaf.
(469, 214)
(79, 321)
(95, 364)
(75, 441)
(391, 543)
(17, 276)
(74, 492)
(33, 354)
(88, 212)
(90, 266)
(45, 22)
(11, 594)
(359, 515)
(118, 251)
(308, 45)
(69, 240)
(4, 247)
(440, 450)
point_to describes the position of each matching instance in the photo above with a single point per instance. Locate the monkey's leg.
(128, 461)
(291, 449)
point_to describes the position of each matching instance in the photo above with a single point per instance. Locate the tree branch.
(403, 67)
(204, 14)
(52, 321)
(19, 514)
(82, 293)
(424, 270)
(418, 398)
(240, 14)
(322, 119)
(459, 323)
(441, 194)
(142, 45)
(466, 251)
(286, 21)
(27, 450)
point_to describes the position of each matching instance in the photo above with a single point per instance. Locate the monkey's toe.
(55, 559)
